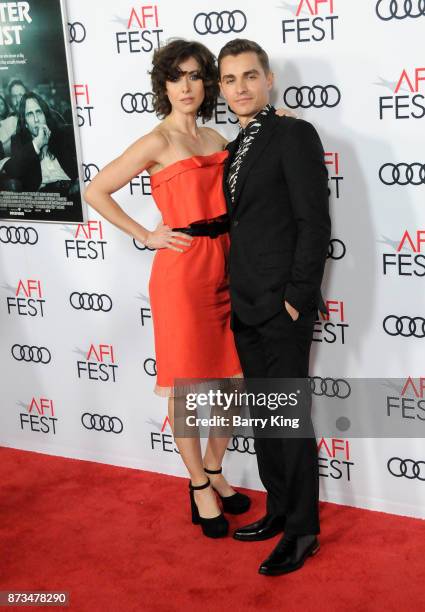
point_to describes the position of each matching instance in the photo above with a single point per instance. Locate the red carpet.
(120, 539)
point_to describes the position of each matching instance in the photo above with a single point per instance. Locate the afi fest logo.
(317, 25)
(88, 242)
(28, 299)
(145, 311)
(39, 416)
(162, 440)
(407, 101)
(140, 183)
(409, 403)
(332, 327)
(99, 364)
(332, 160)
(223, 114)
(334, 458)
(83, 104)
(142, 30)
(13, 17)
(410, 263)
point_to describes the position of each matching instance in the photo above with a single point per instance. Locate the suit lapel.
(254, 152)
(231, 147)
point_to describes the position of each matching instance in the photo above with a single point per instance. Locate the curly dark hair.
(166, 62)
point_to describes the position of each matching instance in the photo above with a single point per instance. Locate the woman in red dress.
(189, 290)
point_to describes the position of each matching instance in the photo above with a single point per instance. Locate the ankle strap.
(213, 471)
(199, 487)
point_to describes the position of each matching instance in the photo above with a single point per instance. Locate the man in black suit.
(275, 183)
(43, 155)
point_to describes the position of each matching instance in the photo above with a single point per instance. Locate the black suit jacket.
(24, 163)
(280, 224)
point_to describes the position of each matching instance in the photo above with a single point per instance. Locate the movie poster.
(39, 146)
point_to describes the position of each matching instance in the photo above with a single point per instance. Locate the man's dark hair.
(14, 82)
(243, 45)
(166, 61)
(6, 111)
(23, 132)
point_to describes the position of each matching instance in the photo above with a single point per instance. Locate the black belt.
(211, 229)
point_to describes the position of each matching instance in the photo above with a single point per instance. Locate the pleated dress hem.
(181, 391)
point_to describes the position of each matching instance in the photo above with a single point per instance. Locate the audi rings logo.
(400, 9)
(102, 423)
(330, 387)
(220, 23)
(141, 247)
(242, 444)
(90, 301)
(9, 234)
(137, 102)
(402, 174)
(77, 32)
(336, 249)
(406, 467)
(404, 326)
(89, 170)
(317, 96)
(36, 354)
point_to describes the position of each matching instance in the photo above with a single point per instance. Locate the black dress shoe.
(215, 527)
(289, 555)
(233, 504)
(265, 528)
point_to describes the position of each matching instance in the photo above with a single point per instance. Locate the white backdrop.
(366, 55)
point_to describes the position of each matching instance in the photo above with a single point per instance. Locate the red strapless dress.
(189, 291)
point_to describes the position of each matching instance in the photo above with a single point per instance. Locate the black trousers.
(288, 467)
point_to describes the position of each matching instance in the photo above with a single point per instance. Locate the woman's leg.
(218, 443)
(190, 451)
(213, 458)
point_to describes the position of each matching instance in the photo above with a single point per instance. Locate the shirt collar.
(257, 118)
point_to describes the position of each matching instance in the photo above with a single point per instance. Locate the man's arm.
(307, 178)
(22, 159)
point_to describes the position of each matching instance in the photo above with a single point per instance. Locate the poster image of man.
(39, 161)
(42, 153)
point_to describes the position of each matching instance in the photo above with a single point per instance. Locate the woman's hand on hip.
(163, 237)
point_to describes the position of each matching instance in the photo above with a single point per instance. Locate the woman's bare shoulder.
(154, 141)
(215, 136)
(148, 149)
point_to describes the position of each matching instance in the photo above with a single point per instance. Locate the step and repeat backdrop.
(77, 356)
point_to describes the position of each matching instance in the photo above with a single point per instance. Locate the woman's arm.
(137, 157)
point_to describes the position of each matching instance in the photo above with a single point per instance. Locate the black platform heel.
(233, 504)
(216, 527)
